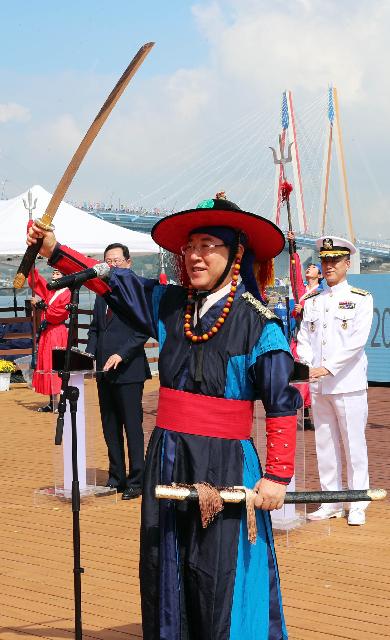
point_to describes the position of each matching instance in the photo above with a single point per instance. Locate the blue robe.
(207, 584)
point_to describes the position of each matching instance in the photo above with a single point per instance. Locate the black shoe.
(308, 425)
(111, 484)
(46, 409)
(131, 492)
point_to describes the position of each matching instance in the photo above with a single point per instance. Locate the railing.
(81, 326)
(16, 336)
(85, 326)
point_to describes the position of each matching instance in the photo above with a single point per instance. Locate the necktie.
(199, 349)
(108, 315)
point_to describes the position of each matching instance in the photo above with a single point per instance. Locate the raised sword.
(46, 221)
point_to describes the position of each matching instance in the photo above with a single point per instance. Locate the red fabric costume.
(54, 335)
(302, 292)
(303, 289)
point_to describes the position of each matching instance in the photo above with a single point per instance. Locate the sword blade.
(237, 494)
(73, 166)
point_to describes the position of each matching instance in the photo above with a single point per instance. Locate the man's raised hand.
(49, 240)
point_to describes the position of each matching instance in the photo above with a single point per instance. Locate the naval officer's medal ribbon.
(344, 324)
(312, 327)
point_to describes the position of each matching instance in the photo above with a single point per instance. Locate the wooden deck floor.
(334, 586)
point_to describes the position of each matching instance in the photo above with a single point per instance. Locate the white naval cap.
(332, 246)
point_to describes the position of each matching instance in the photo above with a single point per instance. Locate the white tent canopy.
(73, 227)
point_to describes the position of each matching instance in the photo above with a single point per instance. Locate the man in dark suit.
(120, 355)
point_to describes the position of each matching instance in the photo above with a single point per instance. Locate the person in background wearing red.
(51, 333)
(313, 278)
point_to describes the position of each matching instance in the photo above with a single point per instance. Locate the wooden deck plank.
(334, 586)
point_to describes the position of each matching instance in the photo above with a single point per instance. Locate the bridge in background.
(366, 248)
(144, 223)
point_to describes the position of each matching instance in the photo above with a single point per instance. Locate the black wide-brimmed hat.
(264, 238)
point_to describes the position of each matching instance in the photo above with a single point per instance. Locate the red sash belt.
(204, 415)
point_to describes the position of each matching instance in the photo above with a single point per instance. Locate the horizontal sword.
(238, 494)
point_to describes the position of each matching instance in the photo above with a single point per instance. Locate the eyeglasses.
(116, 261)
(202, 249)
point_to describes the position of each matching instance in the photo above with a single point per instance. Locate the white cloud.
(11, 111)
(303, 44)
(179, 137)
(189, 92)
(62, 134)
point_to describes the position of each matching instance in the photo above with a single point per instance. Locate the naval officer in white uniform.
(335, 328)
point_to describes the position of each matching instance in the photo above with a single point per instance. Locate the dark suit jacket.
(108, 335)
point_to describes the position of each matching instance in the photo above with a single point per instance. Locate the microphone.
(100, 270)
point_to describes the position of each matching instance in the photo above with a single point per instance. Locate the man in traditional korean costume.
(220, 349)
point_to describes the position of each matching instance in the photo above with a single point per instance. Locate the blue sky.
(95, 34)
(204, 107)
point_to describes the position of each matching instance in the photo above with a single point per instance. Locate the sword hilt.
(31, 254)
(26, 263)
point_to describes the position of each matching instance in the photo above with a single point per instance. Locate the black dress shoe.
(113, 485)
(308, 425)
(131, 492)
(46, 409)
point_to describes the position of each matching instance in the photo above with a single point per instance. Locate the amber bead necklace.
(225, 311)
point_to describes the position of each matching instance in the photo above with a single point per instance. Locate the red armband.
(69, 261)
(281, 440)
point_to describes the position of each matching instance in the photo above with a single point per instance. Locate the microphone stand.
(72, 394)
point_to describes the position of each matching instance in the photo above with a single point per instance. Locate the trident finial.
(30, 206)
(283, 159)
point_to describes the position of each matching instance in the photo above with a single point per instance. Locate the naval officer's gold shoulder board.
(360, 292)
(312, 295)
(260, 308)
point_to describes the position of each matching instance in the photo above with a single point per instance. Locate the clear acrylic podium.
(290, 517)
(88, 417)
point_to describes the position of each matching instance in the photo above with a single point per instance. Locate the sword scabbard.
(237, 494)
